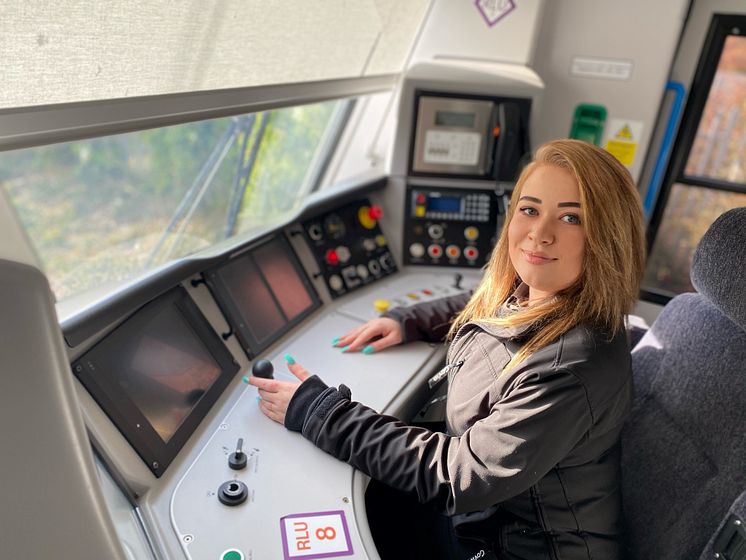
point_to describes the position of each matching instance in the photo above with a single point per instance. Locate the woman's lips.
(537, 258)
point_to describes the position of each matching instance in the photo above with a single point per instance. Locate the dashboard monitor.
(157, 374)
(263, 292)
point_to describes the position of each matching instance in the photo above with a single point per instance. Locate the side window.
(104, 210)
(708, 174)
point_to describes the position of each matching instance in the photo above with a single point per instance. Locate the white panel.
(59, 52)
(460, 30)
(285, 474)
(615, 54)
(400, 23)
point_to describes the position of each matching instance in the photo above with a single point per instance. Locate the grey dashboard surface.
(296, 493)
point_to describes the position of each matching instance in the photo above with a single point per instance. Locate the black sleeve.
(429, 320)
(500, 456)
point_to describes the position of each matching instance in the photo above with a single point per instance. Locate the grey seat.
(684, 445)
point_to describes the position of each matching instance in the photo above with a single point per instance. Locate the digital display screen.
(262, 291)
(250, 294)
(444, 204)
(451, 118)
(164, 369)
(287, 285)
(157, 374)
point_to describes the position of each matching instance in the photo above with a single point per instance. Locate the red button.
(375, 212)
(427, 292)
(420, 198)
(434, 251)
(332, 257)
(471, 253)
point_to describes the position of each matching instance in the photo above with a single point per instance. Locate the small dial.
(334, 226)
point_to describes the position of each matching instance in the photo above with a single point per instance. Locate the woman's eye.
(571, 219)
(529, 211)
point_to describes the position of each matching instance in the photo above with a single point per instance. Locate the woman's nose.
(541, 233)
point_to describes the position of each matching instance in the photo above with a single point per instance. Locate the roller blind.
(59, 51)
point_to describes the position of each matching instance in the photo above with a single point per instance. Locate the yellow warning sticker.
(625, 133)
(622, 139)
(623, 151)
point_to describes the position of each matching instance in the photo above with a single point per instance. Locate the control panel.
(449, 227)
(257, 490)
(349, 247)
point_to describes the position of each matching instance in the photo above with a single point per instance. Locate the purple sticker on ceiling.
(494, 10)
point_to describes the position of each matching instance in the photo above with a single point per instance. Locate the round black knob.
(263, 368)
(237, 460)
(233, 493)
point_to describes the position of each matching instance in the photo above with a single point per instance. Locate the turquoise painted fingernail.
(258, 398)
(368, 349)
(245, 378)
(289, 359)
(344, 348)
(336, 340)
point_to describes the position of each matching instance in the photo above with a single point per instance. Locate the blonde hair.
(613, 261)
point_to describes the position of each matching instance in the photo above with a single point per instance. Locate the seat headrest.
(719, 265)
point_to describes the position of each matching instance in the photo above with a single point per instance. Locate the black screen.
(157, 374)
(263, 292)
(164, 369)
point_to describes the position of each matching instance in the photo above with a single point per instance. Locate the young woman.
(539, 374)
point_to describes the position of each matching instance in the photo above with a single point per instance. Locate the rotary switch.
(237, 460)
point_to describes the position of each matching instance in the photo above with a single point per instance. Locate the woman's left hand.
(276, 394)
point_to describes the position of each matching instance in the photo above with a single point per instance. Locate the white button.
(335, 282)
(362, 271)
(343, 253)
(416, 250)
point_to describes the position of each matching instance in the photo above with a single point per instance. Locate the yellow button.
(363, 216)
(381, 305)
(419, 211)
(380, 240)
(471, 233)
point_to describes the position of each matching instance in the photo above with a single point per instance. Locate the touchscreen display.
(251, 295)
(165, 370)
(262, 292)
(157, 374)
(286, 283)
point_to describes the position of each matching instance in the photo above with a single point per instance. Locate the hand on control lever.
(373, 336)
(275, 395)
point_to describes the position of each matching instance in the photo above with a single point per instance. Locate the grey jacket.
(530, 461)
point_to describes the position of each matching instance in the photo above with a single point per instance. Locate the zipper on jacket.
(443, 373)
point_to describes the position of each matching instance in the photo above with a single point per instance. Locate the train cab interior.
(190, 192)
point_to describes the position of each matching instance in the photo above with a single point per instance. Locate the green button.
(232, 554)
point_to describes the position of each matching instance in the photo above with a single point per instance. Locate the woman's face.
(546, 237)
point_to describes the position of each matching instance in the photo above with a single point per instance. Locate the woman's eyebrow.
(570, 204)
(531, 198)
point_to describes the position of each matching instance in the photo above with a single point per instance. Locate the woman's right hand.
(373, 336)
